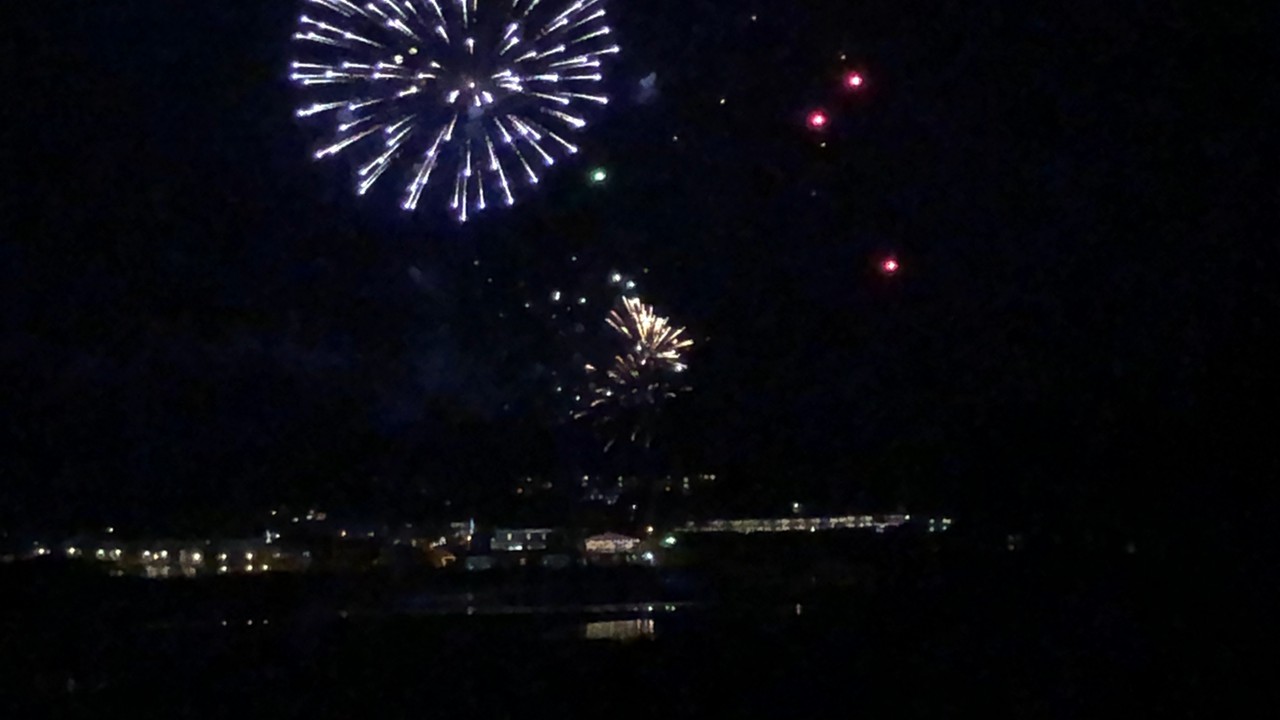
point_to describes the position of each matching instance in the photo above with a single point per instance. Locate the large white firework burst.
(642, 377)
(472, 95)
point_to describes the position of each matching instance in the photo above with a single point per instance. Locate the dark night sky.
(198, 318)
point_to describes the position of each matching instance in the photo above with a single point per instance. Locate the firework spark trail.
(476, 88)
(641, 378)
(653, 337)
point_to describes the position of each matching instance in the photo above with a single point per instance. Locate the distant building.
(611, 544)
(522, 539)
(797, 524)
(608, 489)
(460, 534)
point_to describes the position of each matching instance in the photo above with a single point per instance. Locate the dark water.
(1010, 640)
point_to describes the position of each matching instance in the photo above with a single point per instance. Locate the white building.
(517, 540)
(611, 544)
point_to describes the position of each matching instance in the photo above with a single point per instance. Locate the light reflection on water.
(631, 608)
(619, 630)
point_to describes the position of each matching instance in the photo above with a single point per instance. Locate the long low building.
(796, 524)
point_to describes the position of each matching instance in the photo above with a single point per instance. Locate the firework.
(475, 96)
(654, 342)
(642, 377)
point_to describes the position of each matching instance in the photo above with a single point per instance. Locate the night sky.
(199, 320)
